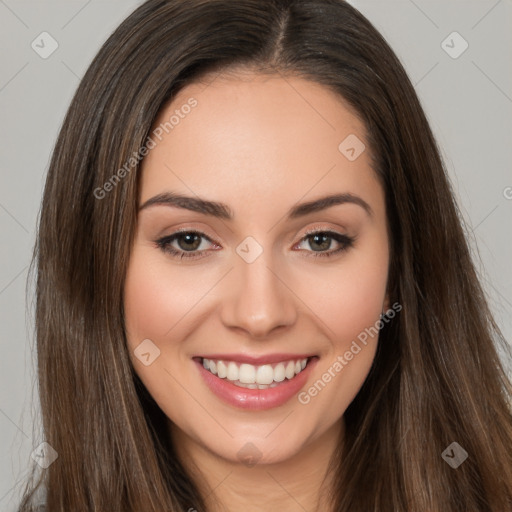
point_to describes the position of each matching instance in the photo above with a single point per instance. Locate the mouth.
(260, 384)
(251, 376)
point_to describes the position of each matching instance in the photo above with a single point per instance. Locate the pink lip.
(257, 360)
(255, 399)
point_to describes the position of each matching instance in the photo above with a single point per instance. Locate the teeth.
(255, 377)
(222, 369)
(279, 375)
(232, 371)
(265, 374)
(290, 370)
(247, 374)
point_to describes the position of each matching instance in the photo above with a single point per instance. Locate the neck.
(301, 482)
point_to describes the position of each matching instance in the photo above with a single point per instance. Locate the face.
(268, 285)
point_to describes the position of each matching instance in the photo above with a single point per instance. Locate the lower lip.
(256, 399)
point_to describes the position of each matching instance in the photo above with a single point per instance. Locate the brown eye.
(321, 241)
(186, 241)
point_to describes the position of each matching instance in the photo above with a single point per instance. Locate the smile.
(255, 377)
(263, 383)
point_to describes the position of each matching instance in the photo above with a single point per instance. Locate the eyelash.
(164, 244)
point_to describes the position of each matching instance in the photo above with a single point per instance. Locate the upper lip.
(257, 360)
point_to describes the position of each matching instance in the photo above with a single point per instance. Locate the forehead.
(253, 139)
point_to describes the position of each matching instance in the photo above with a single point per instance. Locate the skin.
(261, 144)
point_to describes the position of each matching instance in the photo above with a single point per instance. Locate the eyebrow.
(222, 211)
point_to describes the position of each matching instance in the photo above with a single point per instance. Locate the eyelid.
(190, 228)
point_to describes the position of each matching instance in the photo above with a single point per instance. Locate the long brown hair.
(437, 377)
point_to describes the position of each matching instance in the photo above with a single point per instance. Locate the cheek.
(351, 309)
(348, 299)
(156, 299)
(347, 296)
(155, 303)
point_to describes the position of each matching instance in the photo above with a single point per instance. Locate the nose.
(257, 299)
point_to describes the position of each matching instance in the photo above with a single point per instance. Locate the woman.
(253, 286)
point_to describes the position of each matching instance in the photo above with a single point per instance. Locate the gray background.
(468, 101)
